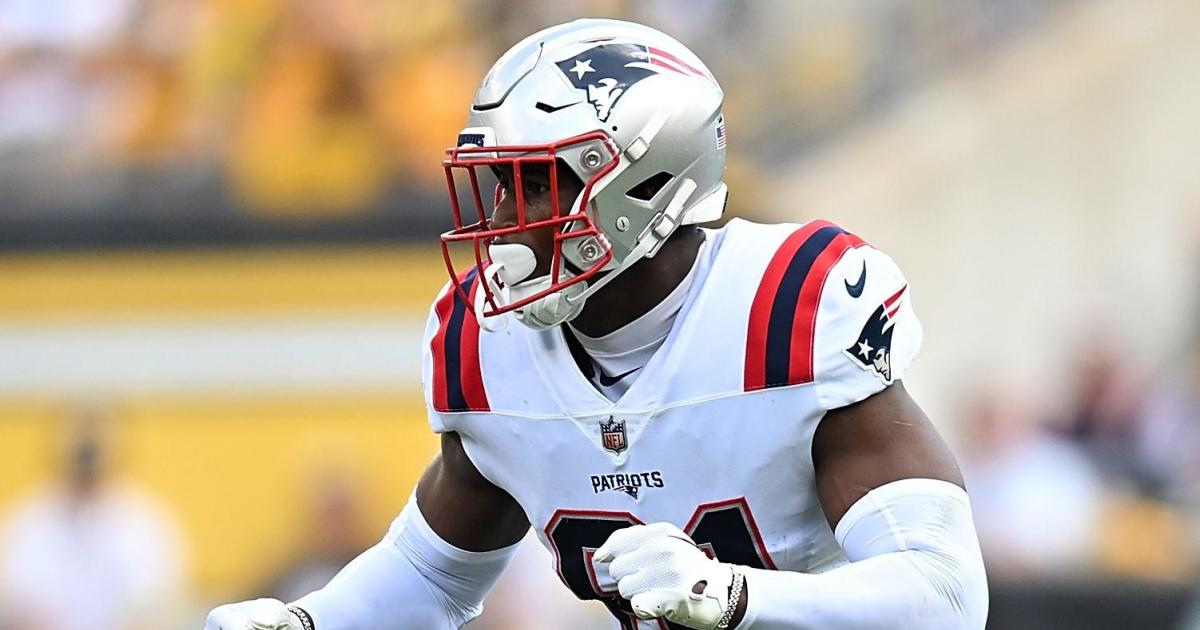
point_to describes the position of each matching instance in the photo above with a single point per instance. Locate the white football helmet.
(628, 109)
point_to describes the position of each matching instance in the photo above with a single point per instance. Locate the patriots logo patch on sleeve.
(873, 349)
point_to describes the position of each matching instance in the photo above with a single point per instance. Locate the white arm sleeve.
(411, 580)
(915, 564)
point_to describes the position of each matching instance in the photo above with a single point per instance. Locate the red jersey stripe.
(764, 299)
(801, 367)
(471, 366)
(457, 370)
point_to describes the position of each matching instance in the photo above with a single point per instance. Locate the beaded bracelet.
(305, 619)
(735, 596)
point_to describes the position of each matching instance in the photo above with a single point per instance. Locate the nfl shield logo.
(612, 435)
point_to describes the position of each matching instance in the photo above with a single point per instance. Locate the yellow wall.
(232, 467)
(192, 283)
(233, 470)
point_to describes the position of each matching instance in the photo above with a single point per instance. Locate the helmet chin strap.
(506, 278)
(512, 263)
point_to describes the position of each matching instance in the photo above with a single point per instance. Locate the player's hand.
(664, 574)
(258, 614)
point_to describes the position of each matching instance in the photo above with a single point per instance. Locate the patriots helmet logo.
(606, 72)
(873, 349)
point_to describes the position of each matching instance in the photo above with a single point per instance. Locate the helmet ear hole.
(649, 187)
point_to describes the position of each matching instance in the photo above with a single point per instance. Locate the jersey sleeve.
(451, 369)
(436, 422)
(866, 331)
(831, 313)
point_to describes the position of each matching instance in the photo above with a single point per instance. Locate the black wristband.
(305, 619)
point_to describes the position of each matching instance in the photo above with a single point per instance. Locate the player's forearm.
(898, 591)
(916, 565)
(380, 589)
(412, 580)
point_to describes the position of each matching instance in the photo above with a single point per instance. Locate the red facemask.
(479, 232)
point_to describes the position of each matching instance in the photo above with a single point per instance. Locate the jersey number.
(725, 530)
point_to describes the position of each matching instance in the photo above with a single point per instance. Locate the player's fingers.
(628, 538)
(623, 566)
(604, 577)
(642, 580)
(655, 603)
(619, 542)
(628, 563)
(225, 619)
(261, 625)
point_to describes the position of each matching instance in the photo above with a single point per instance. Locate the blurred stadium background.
(217, 229)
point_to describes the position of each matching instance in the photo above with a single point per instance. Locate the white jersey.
(782, 323)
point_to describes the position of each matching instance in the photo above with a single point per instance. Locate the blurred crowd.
(1103, 482)
(328, 109)
(300, 104)
(85, 551)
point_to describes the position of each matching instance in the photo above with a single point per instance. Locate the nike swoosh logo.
(609, 381)
(856, 289)
(550, 109)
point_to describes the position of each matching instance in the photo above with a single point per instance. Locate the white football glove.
(662, 573)
(257, 614)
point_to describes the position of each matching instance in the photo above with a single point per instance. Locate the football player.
(706, 427)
